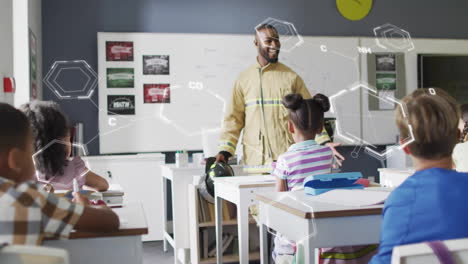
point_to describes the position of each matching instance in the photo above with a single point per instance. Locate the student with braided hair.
(54, 165)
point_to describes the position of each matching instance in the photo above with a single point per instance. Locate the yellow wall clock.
(354, 9)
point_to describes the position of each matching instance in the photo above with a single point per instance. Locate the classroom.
(203, 132)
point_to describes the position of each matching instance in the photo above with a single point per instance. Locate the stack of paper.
(113, 196)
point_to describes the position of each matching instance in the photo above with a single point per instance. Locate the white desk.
(120, 247)
(390, 177)
(315, 224)
(140, 177)
(239, 190)
(113, 197)
(177, 234)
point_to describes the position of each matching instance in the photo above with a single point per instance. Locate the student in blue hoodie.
(431, 204)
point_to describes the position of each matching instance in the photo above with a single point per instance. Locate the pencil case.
(317, 184)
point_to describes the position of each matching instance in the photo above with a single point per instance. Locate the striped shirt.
(301, 160)
(28, 214)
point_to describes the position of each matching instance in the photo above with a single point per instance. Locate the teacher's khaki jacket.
(265, 122)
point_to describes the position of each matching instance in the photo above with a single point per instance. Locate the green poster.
(120, 78)
(386, 81)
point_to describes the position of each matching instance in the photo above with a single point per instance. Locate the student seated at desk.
(430, 204)
(55, 167)
(27, 213)
(460, 152)
(305, 158)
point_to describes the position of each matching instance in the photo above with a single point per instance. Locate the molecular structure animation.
(187, 123)
(351, 137)
(391, 37)
(387, 36)
(86, 76)
(289, 37)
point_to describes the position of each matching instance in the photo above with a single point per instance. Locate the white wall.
(26, 15)
(20, 51)
(6, 44)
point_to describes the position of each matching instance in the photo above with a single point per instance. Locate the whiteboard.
(215, 61)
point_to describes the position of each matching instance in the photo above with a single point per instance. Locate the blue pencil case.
(317, 184)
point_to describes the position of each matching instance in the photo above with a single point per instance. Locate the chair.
(19, 254)
(432, 252)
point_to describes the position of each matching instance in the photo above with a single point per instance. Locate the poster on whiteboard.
(157, 93)
(156, 65)
(120, 104)
(119, 50)
(120, 78)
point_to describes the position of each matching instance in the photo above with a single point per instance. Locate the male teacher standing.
(256, 106)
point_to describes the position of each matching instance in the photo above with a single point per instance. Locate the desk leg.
(164, 193)
(243, 229)
(174, 231)
(263, 244)
(219, 229)
(310, 254)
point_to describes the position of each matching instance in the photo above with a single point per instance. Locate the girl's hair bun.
(322, 101)
(293, 101)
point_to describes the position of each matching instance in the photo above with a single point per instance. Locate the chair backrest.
(422, 253)
(19, 254)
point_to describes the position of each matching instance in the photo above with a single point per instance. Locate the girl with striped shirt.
(305, 158)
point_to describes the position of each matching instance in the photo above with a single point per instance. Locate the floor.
(153, 253)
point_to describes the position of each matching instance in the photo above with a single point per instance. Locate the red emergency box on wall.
(8, 85)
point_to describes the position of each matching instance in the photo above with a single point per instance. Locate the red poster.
(119, 51)
(157, 93)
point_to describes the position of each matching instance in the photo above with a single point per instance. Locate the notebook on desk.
(358, 198)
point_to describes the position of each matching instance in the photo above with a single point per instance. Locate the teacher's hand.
(338, 157)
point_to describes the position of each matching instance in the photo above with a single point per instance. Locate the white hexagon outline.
(381, 32)
(385, 29)
(53, 87)
(389, 150)
(57, 141)
(71, 68)
(292, 29)
(180, 128)
(405, 43)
